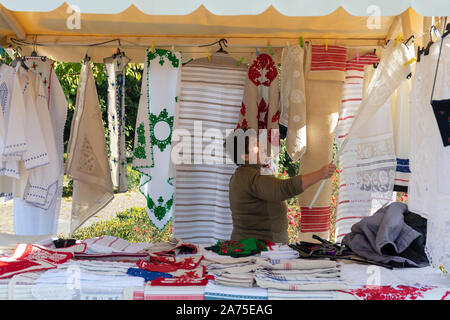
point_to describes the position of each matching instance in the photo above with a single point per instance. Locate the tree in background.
(69, 75)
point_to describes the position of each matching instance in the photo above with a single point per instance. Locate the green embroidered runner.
(154, 123)
(240, 248)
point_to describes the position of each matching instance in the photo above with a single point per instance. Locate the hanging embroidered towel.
(352, 93)
(324, 81)
(32, 169)
(29, 219)
(293, 101)
(259, 109)
(210, 97)
(115, 73)
(400, 105)
(43, 181)
(367, 160)
(153, 136)
(428, 190)
(9, 169)
(87, 160)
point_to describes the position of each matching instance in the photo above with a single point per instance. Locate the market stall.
(371, 78)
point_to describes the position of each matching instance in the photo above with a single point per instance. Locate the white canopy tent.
(67, 32)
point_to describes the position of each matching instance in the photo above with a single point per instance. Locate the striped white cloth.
(215, 291)
(209, 101)
(367, 161)
(276, 294)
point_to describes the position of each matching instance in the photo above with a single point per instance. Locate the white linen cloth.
(367, 159)
(209, 101)
(153, 137)
(293, 101)
(400, 106)
(115, 74)
(428, 191)
(214, 291)
(87, 160)
(29, 219)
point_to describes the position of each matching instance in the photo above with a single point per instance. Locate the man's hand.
(328, 170)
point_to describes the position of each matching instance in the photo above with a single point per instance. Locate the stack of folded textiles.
(175, 273)
(214, 291)
(86, 280)
(280, 252)
(229, 271)
(299, 275)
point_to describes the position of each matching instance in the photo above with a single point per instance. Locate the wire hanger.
(447, 31)
(20, 59)
(221, 42)
(86, 58)
(34, 53)
(375, 65)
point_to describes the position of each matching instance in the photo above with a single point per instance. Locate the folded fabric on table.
(386, 237)
(109, 244)
(241, 248)
(213, 257)
(301, 275)
(85, 280)
(245, 280)
(163, 292)
(34, 257)
(264, 281)
(19, 286)
(358, 275)
(296, 264)
(218, 269)
(8, 242)
(214, 291)
(418, 292)
(147, 275)
(276, 294)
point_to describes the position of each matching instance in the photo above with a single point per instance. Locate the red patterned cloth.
(399, 293)
(34, 257)
(259, 108)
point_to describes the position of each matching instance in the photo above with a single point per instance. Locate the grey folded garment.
(385, 236)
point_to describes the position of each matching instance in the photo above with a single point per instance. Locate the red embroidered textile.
(389, 293)
(33, 257)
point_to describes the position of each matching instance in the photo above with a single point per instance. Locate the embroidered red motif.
(244, 123)
(243, 109)
(263, 110)
(389, 293)
(276, 116)
(263, 70)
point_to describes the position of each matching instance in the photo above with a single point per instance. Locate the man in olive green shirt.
(257, 201)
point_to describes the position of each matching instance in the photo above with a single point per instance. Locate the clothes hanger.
(375, 65)
(222, 42)
(447, 31)
(20, 59)
(86, 58)
(426, 50)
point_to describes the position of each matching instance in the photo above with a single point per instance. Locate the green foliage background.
(69, 75)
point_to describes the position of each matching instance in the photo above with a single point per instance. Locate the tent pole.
(187, 41)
